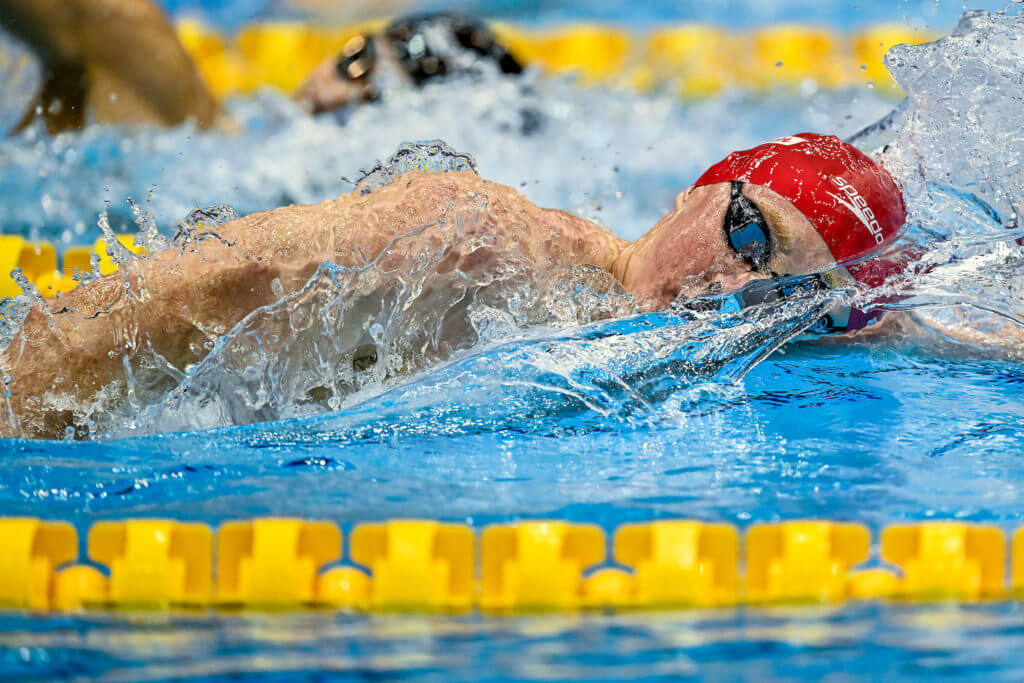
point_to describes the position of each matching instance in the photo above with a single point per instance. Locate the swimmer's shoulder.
(425, 194)
(416, 187)
(415, 180)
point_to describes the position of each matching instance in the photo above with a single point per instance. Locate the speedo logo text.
(858, 206)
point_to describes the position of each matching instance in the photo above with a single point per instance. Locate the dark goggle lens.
(749, 241)
(837, 321)
(759, 292)
(474, 37)
(746, 229)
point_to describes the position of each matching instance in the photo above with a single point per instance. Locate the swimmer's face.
(346, 78)
(688, 254)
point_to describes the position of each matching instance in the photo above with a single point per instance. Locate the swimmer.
(120, 61)
(412, 50)
(115, 61)
(798, 205)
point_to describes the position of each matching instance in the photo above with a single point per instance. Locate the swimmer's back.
(472, 206)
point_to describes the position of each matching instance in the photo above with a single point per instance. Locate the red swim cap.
(853, 202)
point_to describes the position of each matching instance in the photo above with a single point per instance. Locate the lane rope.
(694, 60)
(424, 565)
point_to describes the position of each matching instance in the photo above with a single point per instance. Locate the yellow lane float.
(430, 566)
(696, 60)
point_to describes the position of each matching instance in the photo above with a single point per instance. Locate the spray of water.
(605, 154)
(955, 146)
(512, 339)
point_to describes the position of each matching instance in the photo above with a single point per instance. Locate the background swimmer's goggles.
(358, 58)
(409, 38)
(746, 229)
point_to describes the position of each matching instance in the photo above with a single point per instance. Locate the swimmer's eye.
(746, 230)
(358, 58)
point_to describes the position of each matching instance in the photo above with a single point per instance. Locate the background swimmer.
(411, 51)
(117, 61)
(728, 230)
(83, 46)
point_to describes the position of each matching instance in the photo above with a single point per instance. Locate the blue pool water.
(608, 422)
(862, 642)
(868, 434)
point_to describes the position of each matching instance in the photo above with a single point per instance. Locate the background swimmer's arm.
(120, 59)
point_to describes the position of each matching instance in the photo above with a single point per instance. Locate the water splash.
(964, 130)
(433, 156)
(416, 334)
(955, 146)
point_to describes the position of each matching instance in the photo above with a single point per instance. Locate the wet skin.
(71, 347)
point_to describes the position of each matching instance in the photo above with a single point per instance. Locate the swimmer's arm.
(1004, 335)
(72, 347)
(185, 300)
(1000, 334)
(182, 300)
(894, 324)
(134, 67)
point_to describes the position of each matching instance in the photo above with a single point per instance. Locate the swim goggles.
(420, 62)
(746, 230)
(767, 291)
(759, 292)
(358, 58)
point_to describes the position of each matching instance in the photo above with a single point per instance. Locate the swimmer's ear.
(681, 197)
